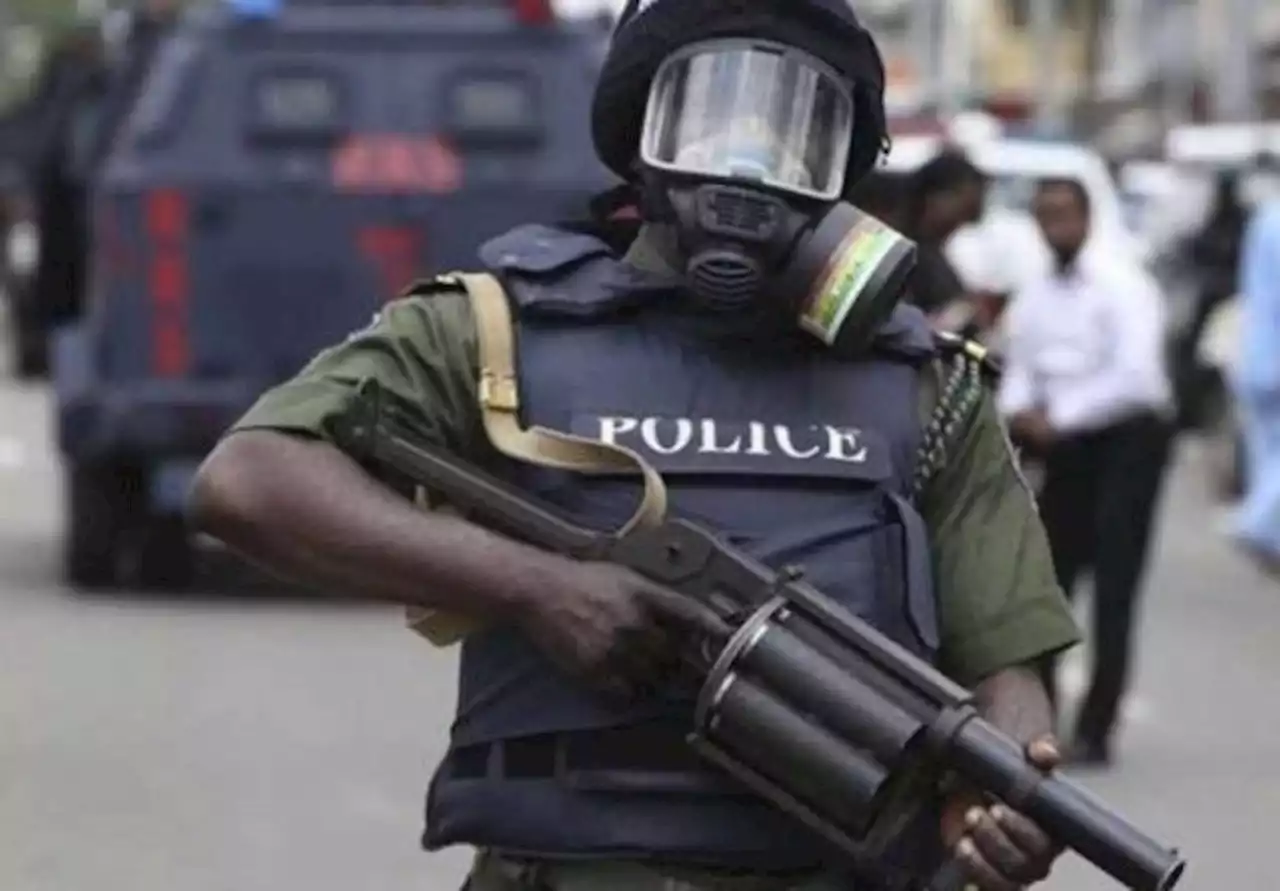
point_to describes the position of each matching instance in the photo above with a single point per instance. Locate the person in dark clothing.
(1214, 252)
(884, 195)
(14, 160)
(945, 194)
(72, 76)
(144, 33)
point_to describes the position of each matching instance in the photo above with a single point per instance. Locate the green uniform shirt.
(999, 604)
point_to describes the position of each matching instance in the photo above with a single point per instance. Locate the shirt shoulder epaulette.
(964, 372)
(951, 346)
(427, 287)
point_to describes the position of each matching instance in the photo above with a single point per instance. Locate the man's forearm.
(1015, 701)
(305, 511)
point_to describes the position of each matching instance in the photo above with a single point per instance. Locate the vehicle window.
(493, 106)
(159, 104)
(296, 103)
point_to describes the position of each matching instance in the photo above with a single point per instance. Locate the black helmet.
(650, 30)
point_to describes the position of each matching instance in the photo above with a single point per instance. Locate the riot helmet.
(822, 38)
(745, 125)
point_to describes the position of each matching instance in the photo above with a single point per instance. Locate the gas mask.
(745, 148)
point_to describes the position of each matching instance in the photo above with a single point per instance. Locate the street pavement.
(244, 740)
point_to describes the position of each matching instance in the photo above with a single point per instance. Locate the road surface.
(242, 741)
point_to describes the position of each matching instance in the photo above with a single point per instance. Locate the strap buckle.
(498, 392)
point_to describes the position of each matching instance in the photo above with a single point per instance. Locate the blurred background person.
(132, 38)
(1212, 253)
(1085, 388)
(940, 198)
(1257, 388)
(73, 75)
(883, 194)
(994, 259)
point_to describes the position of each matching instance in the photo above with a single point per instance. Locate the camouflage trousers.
(492, 872)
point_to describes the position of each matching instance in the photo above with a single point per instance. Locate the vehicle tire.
(165, 557)
(102, 504)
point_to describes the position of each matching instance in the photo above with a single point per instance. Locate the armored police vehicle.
(285, 169)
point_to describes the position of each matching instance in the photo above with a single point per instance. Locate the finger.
(652, 654)
(613, 686)
(1029, 837)
(686, 613)
(1044, 753)
(636, 656)
(1000, 850)
(653, 641)
(978, 869)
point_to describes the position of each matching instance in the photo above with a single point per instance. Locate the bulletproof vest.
(795, 456)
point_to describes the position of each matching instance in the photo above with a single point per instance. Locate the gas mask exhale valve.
(731, 237)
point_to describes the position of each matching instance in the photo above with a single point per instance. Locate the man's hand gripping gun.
(801, 701)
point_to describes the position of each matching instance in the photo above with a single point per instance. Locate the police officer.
(800, 412)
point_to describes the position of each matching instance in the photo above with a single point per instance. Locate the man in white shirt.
(1085, 388)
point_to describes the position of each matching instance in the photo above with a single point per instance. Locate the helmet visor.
(754, 112)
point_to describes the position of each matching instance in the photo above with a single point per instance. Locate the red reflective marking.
(167, 281)
(395, 251)
(166, 215)
(534, 12)
(443, 167)
(399, 166)
(353, 164)
(170, 354)
(393, 163)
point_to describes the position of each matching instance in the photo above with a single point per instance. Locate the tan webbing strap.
(500, 405)
(499, 398)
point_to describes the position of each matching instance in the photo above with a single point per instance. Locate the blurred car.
(286, 168)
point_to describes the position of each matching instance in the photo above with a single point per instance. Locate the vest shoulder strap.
(498, 393)
(950, 345)
(499, 396)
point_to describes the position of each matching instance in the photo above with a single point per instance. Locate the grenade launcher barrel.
(807, 705)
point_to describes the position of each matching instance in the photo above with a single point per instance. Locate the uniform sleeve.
(420, 349)
(999, 602)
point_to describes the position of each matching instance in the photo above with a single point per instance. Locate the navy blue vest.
(793, 455)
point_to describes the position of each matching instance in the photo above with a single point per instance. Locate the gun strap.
(499, 396)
